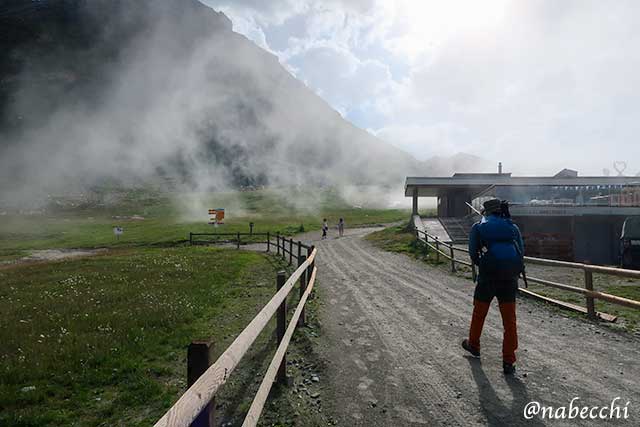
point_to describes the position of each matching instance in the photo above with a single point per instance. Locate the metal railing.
(433, 243)
(197, 401)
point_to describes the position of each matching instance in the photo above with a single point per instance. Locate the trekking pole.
(524, 278)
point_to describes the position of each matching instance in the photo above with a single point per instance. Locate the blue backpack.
(500, 254)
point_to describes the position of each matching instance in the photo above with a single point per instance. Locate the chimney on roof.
(499, 167)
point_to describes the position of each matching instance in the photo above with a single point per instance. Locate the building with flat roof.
(563, 216)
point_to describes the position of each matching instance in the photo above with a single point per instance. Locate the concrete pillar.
(415, 201)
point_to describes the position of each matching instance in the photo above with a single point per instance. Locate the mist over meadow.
(165, 94)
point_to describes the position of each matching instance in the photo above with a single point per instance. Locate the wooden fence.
(448, 251)
(200, 238)
(195, 406)
(284, 246)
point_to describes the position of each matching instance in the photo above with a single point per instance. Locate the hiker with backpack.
(496, 247)
(325, 228)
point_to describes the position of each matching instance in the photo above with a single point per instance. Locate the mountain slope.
(104, 89)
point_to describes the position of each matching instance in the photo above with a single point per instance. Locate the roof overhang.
(476, 183)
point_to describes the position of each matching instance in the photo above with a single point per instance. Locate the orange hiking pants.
(510, 338)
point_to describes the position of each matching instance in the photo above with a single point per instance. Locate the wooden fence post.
(426, 243)
(291, 251)
(281, 328)
(238, 237)
(312, 265)
(268, 242)
(453, 260)
(299, 251)
(588, 285)
(278, 243)
(303, 287)
(437, 250)
(199, 358)
(190, 238)
(309, 251)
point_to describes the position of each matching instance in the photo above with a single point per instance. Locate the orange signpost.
(217, 216)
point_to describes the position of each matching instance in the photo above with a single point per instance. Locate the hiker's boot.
(467, 346)
(508, 368)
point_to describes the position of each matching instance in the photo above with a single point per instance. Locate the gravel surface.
(48, 255)
(58, 254)
(391, 333)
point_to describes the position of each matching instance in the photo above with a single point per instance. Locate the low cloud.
(553, 81)
(166, 93)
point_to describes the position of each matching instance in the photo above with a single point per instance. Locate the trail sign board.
(216, 216)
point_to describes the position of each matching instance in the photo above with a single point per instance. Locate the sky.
(539, 85)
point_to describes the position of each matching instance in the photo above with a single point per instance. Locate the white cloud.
(247, 26)
(353, 82)
(503, 79)
(436, 140)
(265, 12)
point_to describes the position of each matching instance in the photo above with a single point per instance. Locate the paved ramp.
(417, 222)
(435, 228)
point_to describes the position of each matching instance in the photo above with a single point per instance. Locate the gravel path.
(391, 336)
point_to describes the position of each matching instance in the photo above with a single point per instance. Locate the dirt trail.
(392, 328)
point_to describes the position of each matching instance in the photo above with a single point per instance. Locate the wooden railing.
(281, 242)
(433, 243)
(195, 403)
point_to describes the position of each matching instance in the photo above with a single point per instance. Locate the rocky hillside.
(164, 90)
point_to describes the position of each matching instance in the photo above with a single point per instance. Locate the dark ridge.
(71, 55)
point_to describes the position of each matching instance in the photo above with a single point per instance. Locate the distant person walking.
(341, 227)
(325, 228)
(496, 247)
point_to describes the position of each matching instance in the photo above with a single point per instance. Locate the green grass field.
(629, 318)
(168, 219)
(102, 340)
(399, 239)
